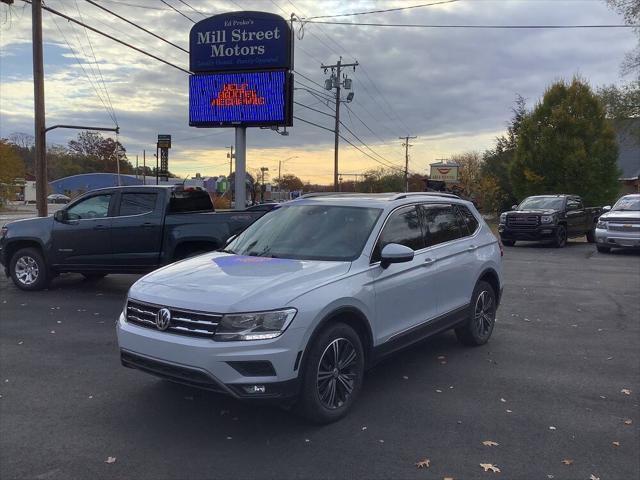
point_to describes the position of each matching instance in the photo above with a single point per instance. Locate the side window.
(403, 227)
(573, 204)
(443, 224)
(468, 219)
(92, 207)
(137, 203)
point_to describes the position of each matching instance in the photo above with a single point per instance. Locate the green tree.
(630, 10)
(290, 182)
(566, 145)
(99, 154)
(11, 168)
(621, 102)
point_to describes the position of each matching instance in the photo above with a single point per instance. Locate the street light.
(280, 162)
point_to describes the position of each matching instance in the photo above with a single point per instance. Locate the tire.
(508, 243)
(561, 237)
(28, 269)
(591, 236)
(603, 249)
(482, 317)
(316, 402)
(93, 276)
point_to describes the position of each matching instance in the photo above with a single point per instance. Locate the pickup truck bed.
(118, 230)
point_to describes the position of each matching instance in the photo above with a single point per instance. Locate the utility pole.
(406, 146)
(241, 168)
(263, 169)
(230, 156)
(335, 82)
(38, 96)
(144, 167)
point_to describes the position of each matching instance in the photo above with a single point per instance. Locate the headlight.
(124, 307)
(602, 224)
(546, 219)
(254, 326)
(503, 217)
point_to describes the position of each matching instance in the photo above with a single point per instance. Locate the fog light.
(255, 388)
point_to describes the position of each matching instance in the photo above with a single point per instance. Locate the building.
(628, 136)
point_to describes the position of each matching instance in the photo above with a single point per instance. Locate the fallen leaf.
(52, 331)
(615, 444)
(404, 377)
(567, 461)
(628, 421)
(442, 357)
(229, 438)
(306, 440)
(593, 477)
(490, 443)
(364, 428)
(509, 411)
(448, 478)
(552, 427)
(110, 460)
(20, 342)
(381, 441)
(426, 463)
(90, 397)
(503, 400)
(58, 321)
(626, 391)
(439, 391)
(489, 466)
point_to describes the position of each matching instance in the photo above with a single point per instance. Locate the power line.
(390, 164)
(314, 124)
(128, 4)
(137, 26)
(111, 37)
(314, 109)
(178, 11)
(384, 10)
(504, 27)
(197, 11)
(104, 84)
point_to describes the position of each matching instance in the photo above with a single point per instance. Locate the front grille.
(523, 221)
(626, 227)
(183, 322)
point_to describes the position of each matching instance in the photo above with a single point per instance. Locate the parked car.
(116, 230)
(619, 226)
(296, 307)
(549, 218)
(58, 198)
(263, 207)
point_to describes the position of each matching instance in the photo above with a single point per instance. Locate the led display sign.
(240, 41)
(240, 99)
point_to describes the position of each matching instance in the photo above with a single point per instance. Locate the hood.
(534, 211)
(29, 224)
(222, 283)
(614, 215)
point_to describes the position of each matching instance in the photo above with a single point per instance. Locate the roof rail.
(418, 194)
(329, 194)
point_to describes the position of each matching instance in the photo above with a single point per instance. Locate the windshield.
(627, 204)
(541, 203)
(308, 232)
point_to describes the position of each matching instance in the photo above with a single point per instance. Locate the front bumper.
(211, 365)
(539, 233)
(608, 238)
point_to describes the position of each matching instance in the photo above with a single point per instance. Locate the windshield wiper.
(226, 250)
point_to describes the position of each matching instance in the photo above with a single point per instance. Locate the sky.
(453, 88)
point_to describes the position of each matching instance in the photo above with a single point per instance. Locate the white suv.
(296, 307)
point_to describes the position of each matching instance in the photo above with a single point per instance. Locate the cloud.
(452, 87)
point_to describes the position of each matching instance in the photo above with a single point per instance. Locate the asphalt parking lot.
(559, 380)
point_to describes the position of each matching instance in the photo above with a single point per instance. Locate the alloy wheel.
(27, 270)
(484, 312)
(337, 373)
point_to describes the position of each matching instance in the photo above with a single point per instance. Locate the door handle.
(147, 225)
(428, 262)
(471, 248)
(100, 227)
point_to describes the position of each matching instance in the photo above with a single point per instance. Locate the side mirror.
(513, 207)
(606, 208)
(60, 216)
(395, 253)
(230, 239)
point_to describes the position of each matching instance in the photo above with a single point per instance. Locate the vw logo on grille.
(163, 319)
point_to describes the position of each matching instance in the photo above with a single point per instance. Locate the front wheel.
(561, 237)
(28, 269)
(332, 375)
(478, 328)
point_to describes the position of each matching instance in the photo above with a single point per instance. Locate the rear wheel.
(603, 249)
(508, 243)
(332, 376)
(482, 317)
(28, 269)
(561, 237)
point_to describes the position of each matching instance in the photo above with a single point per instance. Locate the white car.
(620, 225)
(297, 306)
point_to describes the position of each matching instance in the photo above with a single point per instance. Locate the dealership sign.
(241, 64)
(444, 172)
(240, 41)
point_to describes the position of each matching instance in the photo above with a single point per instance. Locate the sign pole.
(38, 88)
(241, 168)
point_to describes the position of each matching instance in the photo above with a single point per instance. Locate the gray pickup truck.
(116, 230)
(549, 218)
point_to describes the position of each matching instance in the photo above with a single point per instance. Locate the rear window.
(137, 203)
(190, 201)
